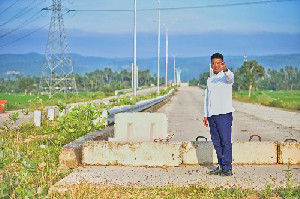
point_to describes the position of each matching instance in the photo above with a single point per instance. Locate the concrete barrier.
(198, 152)
(132, 153)
(37, 118)
(289, 153)
(140, 126)
(243, 153)
(184, 153)
(71, 154)
(63, 112)
(51, 114)
(254, 152)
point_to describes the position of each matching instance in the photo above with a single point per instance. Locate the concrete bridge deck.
(185, 112)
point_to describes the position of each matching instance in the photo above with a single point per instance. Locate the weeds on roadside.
(118, 191)
(26, 111)
(14, 116)
(29, 155)
(290, 190)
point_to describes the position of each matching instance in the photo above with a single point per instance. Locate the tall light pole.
(134, 51)
(167, 52)
(167, 49)
(137, 77)
(132, 78)
(174, 70)
(158, 50)
(178, 72)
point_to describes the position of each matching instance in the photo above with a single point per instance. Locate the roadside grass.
(117, 191)
(280, 99)
(189, 191)
(29, 155)
(17, 101)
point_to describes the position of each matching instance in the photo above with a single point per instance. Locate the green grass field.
(17, 101)
(280, 99)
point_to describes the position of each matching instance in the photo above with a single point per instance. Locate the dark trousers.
(220, 131)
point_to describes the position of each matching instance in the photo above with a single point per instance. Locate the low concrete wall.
(198, 152)
(71, 154)
(254, 152)
(178, 153)
(289, 153)
(132, 153)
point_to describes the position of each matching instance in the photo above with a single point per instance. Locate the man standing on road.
(218, 113)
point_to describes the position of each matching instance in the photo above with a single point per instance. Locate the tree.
(203, 78)
(290, 77)
(250, 72)
(26, 84)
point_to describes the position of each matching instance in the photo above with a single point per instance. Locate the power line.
(25, 23)
(8, 43)
(27, 35)
(220, 5)
(184, 8)
(22, 12)
(9, 7)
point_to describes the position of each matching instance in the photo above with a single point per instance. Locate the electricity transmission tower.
(57, 72)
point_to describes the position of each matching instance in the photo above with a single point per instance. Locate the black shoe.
(226, 172)
(217, 171)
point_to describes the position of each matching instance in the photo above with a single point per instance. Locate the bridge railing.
(127, 90)
(139, 106)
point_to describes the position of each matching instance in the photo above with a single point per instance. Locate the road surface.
(185, 116)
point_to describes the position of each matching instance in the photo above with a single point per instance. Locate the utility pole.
(210, 70)
(174, 71)
(167, 53)
(57, 71)
(178, 71)
(132, 78)
(245, 58)
(137, 77)
(134, 51)
(167, 44)
(158, 50)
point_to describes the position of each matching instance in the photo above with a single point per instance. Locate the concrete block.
(51, 113)
(103, 117)
(71, 154)
(37, 118)
(71, 108)
(289, 153)
(132, 153)
(198, 152)
(140, 126)
(63, 112)
(70, 157)
(254, 152)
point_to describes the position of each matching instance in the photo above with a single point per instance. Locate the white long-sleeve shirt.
(218, 94)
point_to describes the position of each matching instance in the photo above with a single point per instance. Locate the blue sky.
(268, 28)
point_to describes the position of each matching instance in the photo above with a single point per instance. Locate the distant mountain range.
(31, 64)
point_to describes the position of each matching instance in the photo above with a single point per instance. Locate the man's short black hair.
(217, 56)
